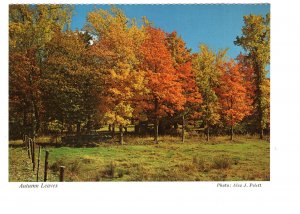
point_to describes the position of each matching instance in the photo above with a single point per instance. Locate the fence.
(31, 149)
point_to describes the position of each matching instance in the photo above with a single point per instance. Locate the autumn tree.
(182, 62)
(115, 57)
(71, 87)
(165, 92)
(24, 93)
(233, 98)
(30, 28)
(266, 102)
(255, 40)
(207, 67)
(246, 68)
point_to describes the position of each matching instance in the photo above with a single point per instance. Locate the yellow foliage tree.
(115, 56)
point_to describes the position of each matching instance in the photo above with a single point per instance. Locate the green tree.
(71, 87)
(207, 67)
(255, 40)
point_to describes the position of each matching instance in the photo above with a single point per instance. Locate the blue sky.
(215, 25)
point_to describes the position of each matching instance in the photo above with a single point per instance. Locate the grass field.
(140, 160)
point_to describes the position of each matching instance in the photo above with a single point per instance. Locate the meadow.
(243, 159)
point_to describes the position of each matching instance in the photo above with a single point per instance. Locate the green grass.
(140, 160)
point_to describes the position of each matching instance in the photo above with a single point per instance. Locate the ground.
(140, 160)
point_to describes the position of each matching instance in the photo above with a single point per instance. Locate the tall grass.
(141, 160)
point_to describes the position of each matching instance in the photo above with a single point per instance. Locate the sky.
(214, 25)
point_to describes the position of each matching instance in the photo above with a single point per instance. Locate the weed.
(202, 164)
(236, 160)
(55, 166)
(110, 170)
(120, 173)
(75, 166)
(222, 162)
(87, 160)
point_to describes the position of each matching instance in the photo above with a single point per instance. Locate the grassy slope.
(243, 159)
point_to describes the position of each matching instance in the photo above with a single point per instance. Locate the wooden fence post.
(61, 173)
(46, 166)
(32, 154)
(38, 165)
(28, 147)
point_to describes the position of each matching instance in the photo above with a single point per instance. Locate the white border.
(281, 194)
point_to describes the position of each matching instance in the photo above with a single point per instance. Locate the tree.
(182, 62)
(71, 87)
(207, 66)
(232, 93)
(30, 28)
(255, 40)
(24, 93)
(165, 92)
(246, 68)
(115, 56)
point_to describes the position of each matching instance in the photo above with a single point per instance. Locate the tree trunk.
(162, 126)
(176, 126)
(121, 134)
(89, 125)
(183, 127)
(156, 130)
(207, 133)
(25, 122)
(261, 134)
(113, 130)
(78, 128)
(70, 128)
(109, 127)
(231, 134)
(137, 128)
(36, 123)
(125, 129)
(62, 128)
(156, 122)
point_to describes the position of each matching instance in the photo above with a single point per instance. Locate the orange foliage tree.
(24, 91)
(182, 58)
(234, 102)
(165, 92)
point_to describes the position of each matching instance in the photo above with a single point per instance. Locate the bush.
(75, 166)
(55, 166)
(120, 173)
(202, 164)
(221, 162)
(110, 170)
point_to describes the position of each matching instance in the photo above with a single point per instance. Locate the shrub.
(75, 166)
(55, 166)
(120, 173)
(202, 164)
(222, 162)
(110, 170)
